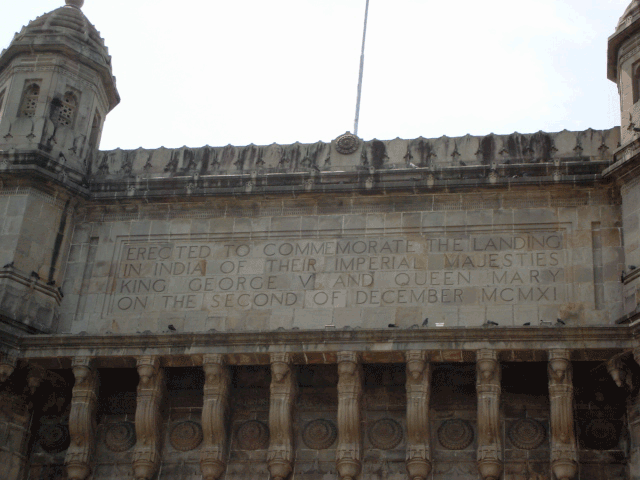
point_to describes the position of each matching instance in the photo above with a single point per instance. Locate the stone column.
(214, 412)
(82, 420)
(564, 454)
(283, 393)
(8, 364)
(418, 434)
(488, 377)
(349, 450)
(146, 456)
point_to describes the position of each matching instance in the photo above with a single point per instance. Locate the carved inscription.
(526, 268)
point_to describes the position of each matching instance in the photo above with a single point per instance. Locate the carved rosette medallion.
(53, 438)
(527, 434)
(455, 434)
(601, 434)
(186, 436)
(319, 434)
(253, 435)
(385, 434)
(347, 143)
(120, 437)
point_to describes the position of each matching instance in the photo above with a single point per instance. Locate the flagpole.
(364, 38)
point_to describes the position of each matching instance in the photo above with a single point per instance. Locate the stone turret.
(623, 67)
(56, 87)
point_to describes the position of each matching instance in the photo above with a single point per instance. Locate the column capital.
(8, 364)
(353, 357)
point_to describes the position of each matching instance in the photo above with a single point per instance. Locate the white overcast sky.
(218, 72)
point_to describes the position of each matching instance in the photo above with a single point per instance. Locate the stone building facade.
(427, 309)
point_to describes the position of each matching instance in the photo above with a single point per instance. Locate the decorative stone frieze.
(283, 392)
(488, 388)
(564, 456)
(349, 451)
(418, 387)
(82, 419)
(146, 455)
(214, 411)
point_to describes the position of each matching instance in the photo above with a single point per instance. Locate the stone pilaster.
(564, 454)
(488, 378)
(146, 456)
(283, 392)
(214, 411)
(349, 450)
(82, 420)
(418, 435)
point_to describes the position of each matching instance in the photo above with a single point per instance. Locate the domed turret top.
(75, 3)
(632, 10)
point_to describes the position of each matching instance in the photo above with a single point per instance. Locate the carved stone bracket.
(283, 392)
(418, 393)
(620, 372)
(35, 376)
(8, 364)
(82, 419)
(146, 455)
(488, 376)
(564, 455)
(349, 451)
(214, 411)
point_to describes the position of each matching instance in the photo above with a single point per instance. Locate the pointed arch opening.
(29, 100)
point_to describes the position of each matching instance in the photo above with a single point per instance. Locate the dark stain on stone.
(541, 144)
(189, 160)
(378, 153)
(488, 149)
(516, 145)
(58, 243)
(204, 161)
(172, 166)
(228, 154)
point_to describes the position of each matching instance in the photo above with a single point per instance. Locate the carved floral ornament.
(120, 437)
(385, 434)
(347, 143)
(186, 435)
(527, 434)
(319, 434)
(53, 438)
(253, 435)
(455, 434)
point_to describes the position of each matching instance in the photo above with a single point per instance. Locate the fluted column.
(349, 450)
(214, 411)
(283, 392)
(146, 456)
(8, 365)
(564, 455)
(418, 435)
(488, 388)
(82, 420)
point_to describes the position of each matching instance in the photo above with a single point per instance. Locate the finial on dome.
(75, 3)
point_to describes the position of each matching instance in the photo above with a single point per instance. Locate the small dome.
(632, 10)
(67, 21)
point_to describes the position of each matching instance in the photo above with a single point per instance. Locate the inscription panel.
(396, 271)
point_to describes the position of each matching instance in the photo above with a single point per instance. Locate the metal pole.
(364, 38)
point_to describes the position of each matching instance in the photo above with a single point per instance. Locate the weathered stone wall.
(514, 258)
